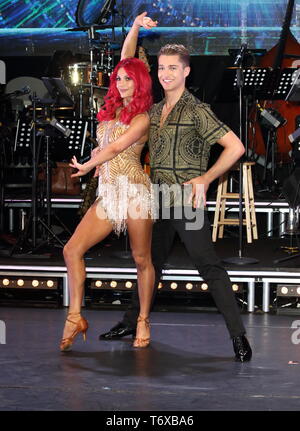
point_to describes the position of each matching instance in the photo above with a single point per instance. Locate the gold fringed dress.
(123, 187)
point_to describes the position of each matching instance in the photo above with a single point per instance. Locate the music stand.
(58, 91)
(291, 186)
(60, 97)
(78, 127)
(23, 136)
(246, 81)
(294, 93)
(75, 143)
(256, 80)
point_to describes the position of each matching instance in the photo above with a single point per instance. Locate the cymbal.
(95, 27)
(54, 108)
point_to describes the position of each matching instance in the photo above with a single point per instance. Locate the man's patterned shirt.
(179, 150)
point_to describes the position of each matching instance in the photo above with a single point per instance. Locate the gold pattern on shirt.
(180, 148)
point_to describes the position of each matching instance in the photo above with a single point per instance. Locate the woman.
(124, 194)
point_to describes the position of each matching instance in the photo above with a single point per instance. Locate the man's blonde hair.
(174, 49)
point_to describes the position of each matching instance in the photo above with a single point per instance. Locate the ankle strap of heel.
(143, 319)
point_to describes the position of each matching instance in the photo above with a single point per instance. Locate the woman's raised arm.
(130, 42)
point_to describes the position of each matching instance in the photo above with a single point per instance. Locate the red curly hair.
(142, 96)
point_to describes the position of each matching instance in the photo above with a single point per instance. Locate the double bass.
(285, 54)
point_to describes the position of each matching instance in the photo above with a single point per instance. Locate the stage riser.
(258, 285)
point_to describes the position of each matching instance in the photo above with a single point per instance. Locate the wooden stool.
(248, 201)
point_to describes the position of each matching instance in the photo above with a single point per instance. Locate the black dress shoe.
(118, 331)
(241, 348)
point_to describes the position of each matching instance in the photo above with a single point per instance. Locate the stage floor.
(189, 365)
(106, 254)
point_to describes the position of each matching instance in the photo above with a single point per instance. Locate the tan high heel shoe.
(142, 342)
(80, 326)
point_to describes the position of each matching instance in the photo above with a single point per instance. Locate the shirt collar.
(183, 98)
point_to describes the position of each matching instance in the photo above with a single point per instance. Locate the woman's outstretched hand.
(82, 169)
(145, 21)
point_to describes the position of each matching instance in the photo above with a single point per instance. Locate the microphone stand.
(240, 259)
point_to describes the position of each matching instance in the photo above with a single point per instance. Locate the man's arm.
(130, 43)
(232, 152)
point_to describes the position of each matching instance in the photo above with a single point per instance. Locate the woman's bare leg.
(93, 228)
(140, 233)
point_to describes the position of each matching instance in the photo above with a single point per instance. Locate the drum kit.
(88, 81)
(76, 96)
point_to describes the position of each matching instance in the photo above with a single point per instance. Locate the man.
(181, 132)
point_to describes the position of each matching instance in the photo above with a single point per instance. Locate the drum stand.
(49, 212)
(292, 231)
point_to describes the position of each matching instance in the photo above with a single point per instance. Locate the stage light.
(75, 75)
(90, 13)
(29, 283)
(98, 283)
(290, 290)
(235, 287)
(287, 299)
(128, 284)
(106, 11)
(160, 285)
(204, 286)
(189, 286)
(173, 286)
(113, 284)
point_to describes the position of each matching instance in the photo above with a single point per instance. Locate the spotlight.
(235, 287)
(173, 285)
(294, 137)
(204, 286)
(106, 11)
(290, 290)
(189, 286)
(271, 118)
(287, 298)
(160, 285)
(35, 283)
(50, 283)
(128, 284)
(90, 13)
(75, 75)
(20, 282)
(98, 283)
(113, 284)
(5, 282)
